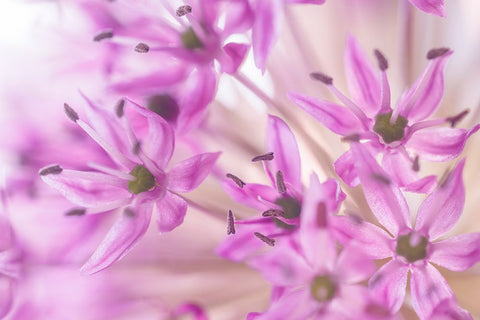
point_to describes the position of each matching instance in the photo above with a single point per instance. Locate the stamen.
(142, 48)
(183, 10)
(267, 240)
(351, 138)
(263, 157)
(230, 223)
(281, 188)
(416, 164)
(71, 114)
(454, 119)
(321, 77)
(128, 212)
(236, 179)
(76, 212)
(435, 53)
(381, 178)
(53, 169)
(382, 61)
(106, 34)
(321, 215)
(136, 147)
(273, 213)
(120, 108)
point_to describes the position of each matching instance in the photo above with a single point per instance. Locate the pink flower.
(311, 278)
(400, 134)
(436, 7)
(268, 26)
(140, 183)
(412, 249)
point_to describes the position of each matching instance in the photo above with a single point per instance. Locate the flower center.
(290, 206)
(390, 132)
(412, 246)
(144, 180)
(190, 39)
(164, 105)
(323, 288)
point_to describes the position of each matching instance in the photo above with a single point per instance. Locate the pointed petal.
(345, 168)
(190, 173)
(383, 195)
(367, 237)
(448, 309)
(90, 189)
(362, 79)
(266, 29)
(425, 95)
(428, 288)
(121, 238)
(441, 210)
(257, 196)
(353, 266)
(232, 56)
(238, 16)
(439, 144)
(436, 7)
(170, 212)
(389, 284)
(457, 253)
(240, 246)
(291, 305)
(281, 141)
(336, 118)
(6, 292)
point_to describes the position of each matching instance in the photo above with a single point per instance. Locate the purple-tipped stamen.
(76, 212)
(183, 10)
(267, 240)
(437, 52)
(416, 164)
(71, 114)
(239, 182)
(381, 178)
(457, 118)
(280, 182)
(53, 169)
(142, 48)
(322, 78)
(382, 61)
(230, 223)
(273, 213)
(263, 157)
(120, 108)
(106, 34)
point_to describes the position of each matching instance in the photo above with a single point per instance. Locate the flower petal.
(389, 284)
(336, 118)
(257, 196)
(457, 253)
(353, 266)
(426, 93)
(6, 292)
(448, 309)
(383, 195)
(439, 144)
(170, 212)
(266, 29)
(436, 7)
(121, 238)
(363, 82)
(281, 141)
(232, 56)
(345, 168)
(428, 288)
(441, 210)
(188, 174)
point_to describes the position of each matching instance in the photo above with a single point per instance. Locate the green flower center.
(164, 105)
(411, 246)
(190, 39)
(144, 180)
(290, 206)
(323, 288)
(390, 132)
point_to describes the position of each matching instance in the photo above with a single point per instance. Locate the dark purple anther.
(230, 223)
(263, 157)
(321, 77)
(267, 240)
(53, 169)
(71, 114)
(236, 179)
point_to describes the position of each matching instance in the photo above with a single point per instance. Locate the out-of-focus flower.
(436, 7)
(402, 135)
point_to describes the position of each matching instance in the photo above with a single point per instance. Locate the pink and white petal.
(353, 266)
(6, 292)
(158, 143)
(232, 56)
(439, 144)
(249, 194)
(383, 196)
(423, 185)
(345, 168)
(188, 174)
(197, 92)
(281, 141)
(240, 246)
(266, 29)
(389, 284)
(292, 305)
(335, 195)
(238, 17)
(336, 118)
(427, 92)
(362, 78)
(89, 189)
(441, 210)
(120, 239)
(448, 309)
(457, 253)
(436, 7)
(369, 239)
(428, 288)
(170, 212)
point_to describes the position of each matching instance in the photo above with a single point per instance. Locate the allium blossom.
(412, 249)
(312, 279)
(139, 184)
(402, 135)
